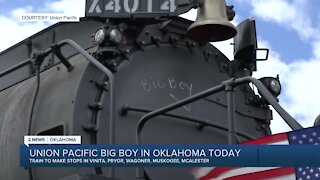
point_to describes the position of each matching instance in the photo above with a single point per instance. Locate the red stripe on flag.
(272, 173)
(269, 139)
(215, 172)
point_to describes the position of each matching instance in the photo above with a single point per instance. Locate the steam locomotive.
(134, 72)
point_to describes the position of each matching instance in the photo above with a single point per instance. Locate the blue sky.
(7, 6)
(289, 28)
(285, 40)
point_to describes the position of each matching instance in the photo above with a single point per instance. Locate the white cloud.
(191, 15)
(316, 49)
(74, 7)
(18, 12)
(13, 30)
(303, 88)
(292, 15)
(273, 66)
(277, 10)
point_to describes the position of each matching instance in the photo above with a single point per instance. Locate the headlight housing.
(115, 36)
(112, 35)
(272, 84)
(99, 36)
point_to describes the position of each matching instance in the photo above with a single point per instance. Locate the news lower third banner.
(82, 155)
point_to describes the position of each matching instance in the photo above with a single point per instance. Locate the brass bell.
(212, 23)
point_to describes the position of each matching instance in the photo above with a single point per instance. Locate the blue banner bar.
(168, 155)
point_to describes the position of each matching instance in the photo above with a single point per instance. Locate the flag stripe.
(200, 172)
(280, 143)
(286, 177)
(215, 172)
(272, 173)
(222, 173)
(269, 139)
(304, 136)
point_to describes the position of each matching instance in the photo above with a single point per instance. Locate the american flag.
(302, 136)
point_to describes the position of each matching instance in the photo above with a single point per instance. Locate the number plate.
(127, 8)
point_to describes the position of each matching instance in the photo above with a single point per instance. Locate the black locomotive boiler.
(134, 73)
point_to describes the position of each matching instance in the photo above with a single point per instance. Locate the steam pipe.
(16, 67)
(231, 114)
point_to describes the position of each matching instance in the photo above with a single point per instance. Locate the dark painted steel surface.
(80, 32)
(157, 67)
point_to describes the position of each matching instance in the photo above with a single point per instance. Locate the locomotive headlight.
(100, 36)
(115, 36)
(275, 86)
(272, 84)
(110, 35)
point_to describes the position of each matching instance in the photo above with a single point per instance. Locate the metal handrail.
(201, 123)
(228, 86)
